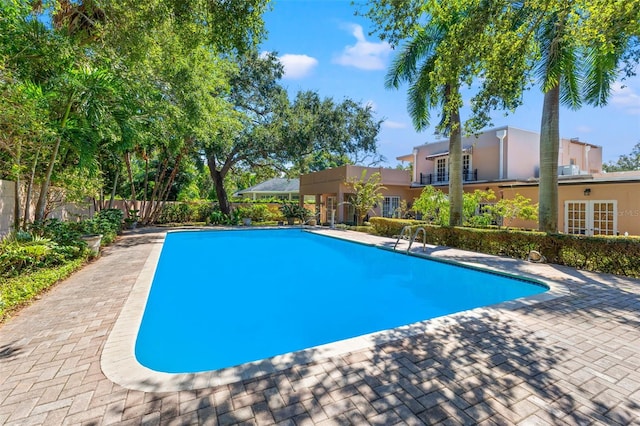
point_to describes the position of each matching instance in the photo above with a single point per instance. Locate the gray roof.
(275, 185)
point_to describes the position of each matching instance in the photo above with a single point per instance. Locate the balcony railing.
(437, 178)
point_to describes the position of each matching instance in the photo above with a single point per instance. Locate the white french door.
(598, 217)
(390, 206)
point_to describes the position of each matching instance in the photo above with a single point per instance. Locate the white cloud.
(584, 129)
(625, 98)
(394, 124)
(297, 66)
(364, 55)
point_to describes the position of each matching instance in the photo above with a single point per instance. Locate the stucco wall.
(586, 156)
(333, 183)
(66, 211)
(522, 152)
(624, 193)
(7, 203)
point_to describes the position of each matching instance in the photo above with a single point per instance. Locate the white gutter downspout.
(501, 134)
(587, 148)
(415, 164)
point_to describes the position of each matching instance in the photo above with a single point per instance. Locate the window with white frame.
(390, 205)
(441, 169)
(576, 217)
(466, 167)
(594, 217)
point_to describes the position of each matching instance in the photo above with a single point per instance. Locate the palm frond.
(601, 72)
(422, 96)
(571, 78)
(404, 66)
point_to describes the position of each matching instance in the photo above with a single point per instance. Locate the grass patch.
(18, 291)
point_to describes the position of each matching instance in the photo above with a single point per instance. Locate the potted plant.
(131, 221)
(292, 211)
(93, 242)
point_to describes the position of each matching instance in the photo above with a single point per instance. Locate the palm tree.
(570, 73)
(416, 64)
(86, 93)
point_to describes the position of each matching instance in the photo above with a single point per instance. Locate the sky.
(324, 47)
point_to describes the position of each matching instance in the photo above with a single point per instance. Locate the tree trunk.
(145, 199)
(44, 189)
(455, 169)
(549, 148)
(27, 202)
(16, 206)
(127, 160)
(164, 193)
(161, 170)
(113, 189)
(218, 182)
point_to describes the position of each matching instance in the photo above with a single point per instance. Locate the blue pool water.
(223, 298)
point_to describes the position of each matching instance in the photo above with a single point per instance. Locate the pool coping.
(119, 364)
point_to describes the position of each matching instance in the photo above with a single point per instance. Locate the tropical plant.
(518, 207)
(579, 47)
(367, 193)
(449, 44)
(416, 64)
(477, 210)
(217, 217)
(293, 211)
(580, 57)
(433, 205)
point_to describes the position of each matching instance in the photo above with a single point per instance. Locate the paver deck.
(571, 360)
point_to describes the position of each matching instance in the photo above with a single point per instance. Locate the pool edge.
(119, 364)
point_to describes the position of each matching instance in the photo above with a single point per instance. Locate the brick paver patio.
(571, 360)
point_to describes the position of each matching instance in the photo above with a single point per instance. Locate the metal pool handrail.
(405, 228)
(415, 235)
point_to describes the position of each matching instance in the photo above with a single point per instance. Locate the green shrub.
(21, 256)
(217, 217)
(16, 291)
(614, 255)
(108, 222)
(294, 210)
(174, 213)
(258, 212)
(62, 233)
(185, 212)
(201, 212)
(388, 227)
(112, 218)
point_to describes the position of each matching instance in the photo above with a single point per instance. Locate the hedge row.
(614, 255)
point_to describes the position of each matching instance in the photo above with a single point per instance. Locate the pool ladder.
(407, 230)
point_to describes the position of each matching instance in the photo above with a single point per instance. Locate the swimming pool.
(224, 298)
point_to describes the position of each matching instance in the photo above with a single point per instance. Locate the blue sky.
(326, 48)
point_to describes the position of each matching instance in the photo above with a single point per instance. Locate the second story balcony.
(441, 178)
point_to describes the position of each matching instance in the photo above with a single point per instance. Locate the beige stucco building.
(332, 192)
(506, 160)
